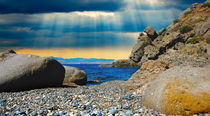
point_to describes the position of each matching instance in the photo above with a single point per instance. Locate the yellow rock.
(182, 90)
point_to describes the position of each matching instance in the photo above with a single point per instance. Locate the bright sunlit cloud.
(95, 14)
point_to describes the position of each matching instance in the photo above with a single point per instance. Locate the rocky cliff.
(174, 76)
(186, 41)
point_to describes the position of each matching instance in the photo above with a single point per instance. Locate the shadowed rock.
(74, 75)
(138, 49)
(151, 32)
(22, 72)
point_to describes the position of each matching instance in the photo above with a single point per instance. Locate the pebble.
(3, 100)
(112, 111)
(140, 110)
(129, 113)
(34, 114)
(136, 114)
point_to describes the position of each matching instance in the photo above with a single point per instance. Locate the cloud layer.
(46, 6)
(82, 23)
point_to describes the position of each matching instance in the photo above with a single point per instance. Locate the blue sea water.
(93, 71)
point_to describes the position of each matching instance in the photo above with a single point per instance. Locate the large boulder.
(138, 49)
(124, 63)
(74, 75)
(23, 72)
(147, 73)
(182, 90)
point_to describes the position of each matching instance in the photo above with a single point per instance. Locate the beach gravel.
(99, 100)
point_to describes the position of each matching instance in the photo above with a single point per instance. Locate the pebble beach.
(107, 99)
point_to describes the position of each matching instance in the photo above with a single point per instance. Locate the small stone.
(200, 114)
(3, 100)
(122, 113)
(74, 104)
(112, 111)
(96, 113)
(140, 110)
(19, 112)
(87, 115)
(136, 114)
(78, 114)
(50, 114)
(34, 114)
(129, 113)
(61, 113)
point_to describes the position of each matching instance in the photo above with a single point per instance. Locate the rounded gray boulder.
(23, 72)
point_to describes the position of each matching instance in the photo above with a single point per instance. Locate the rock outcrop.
(74, 75)
(22, 72)
(151, 32)
(138, 50)
(181, 90)
(123, 63)
(192, 25)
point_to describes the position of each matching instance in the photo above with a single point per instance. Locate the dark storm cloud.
(46, 6)
(35, 24)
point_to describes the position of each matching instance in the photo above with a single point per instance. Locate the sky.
(82, 28)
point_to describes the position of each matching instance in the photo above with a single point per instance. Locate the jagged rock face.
(180, 91)
(159, 46)
(207, 35)
(150, 46)
(190, 54)
(151, 32)
(202, 28)
(151, 52)
(138, 49)
(168, 41)
(162, 31)
(173, 28)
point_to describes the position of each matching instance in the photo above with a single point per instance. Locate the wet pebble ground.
(107, 99)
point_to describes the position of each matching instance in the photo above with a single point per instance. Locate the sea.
(93, 71)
